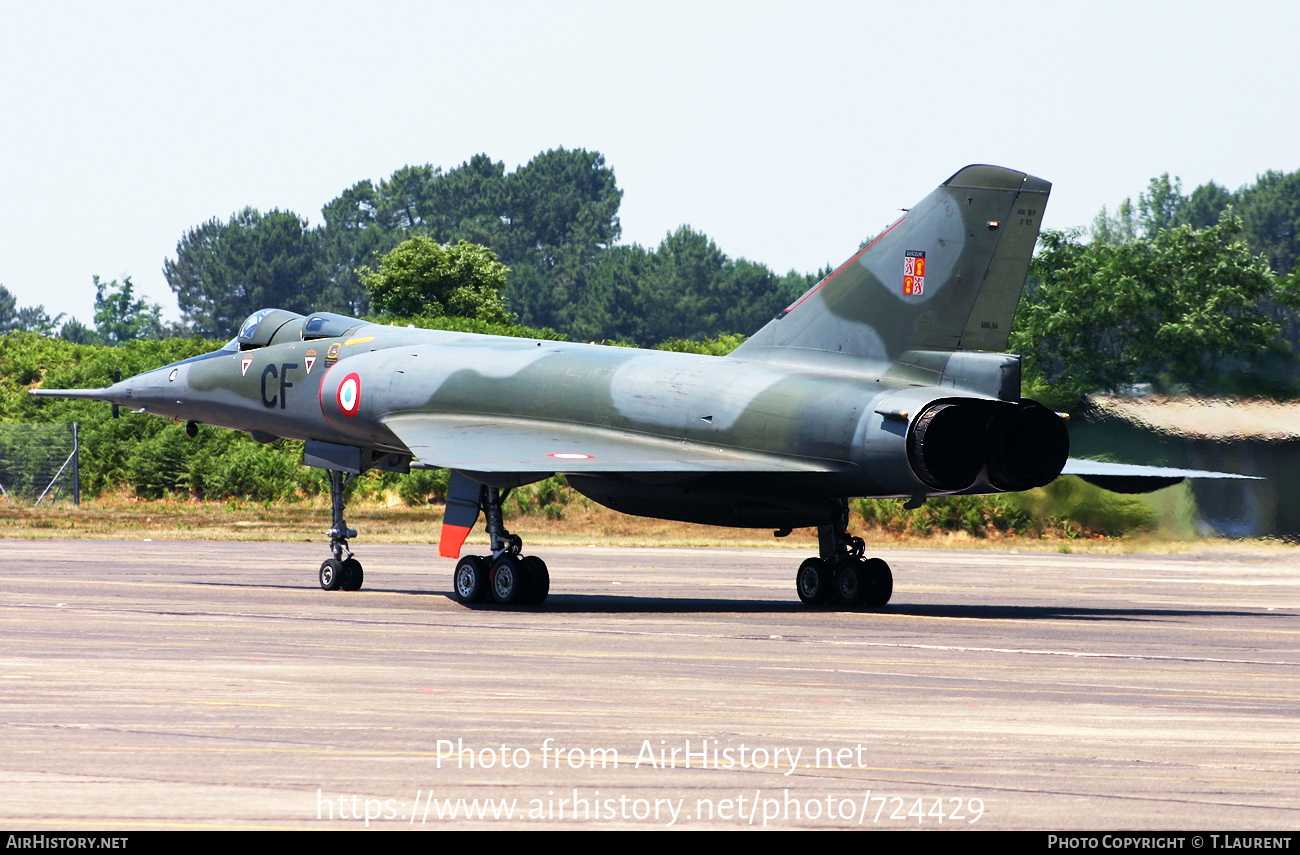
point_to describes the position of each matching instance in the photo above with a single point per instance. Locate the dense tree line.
(1187, 310)
(553, 223)
(1268, 213)
(15, 318)
(119, 317)
(546, 222)
(1183, 293)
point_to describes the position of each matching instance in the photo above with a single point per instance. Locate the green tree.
(1270, 215)
(1100, 316)
(470, 204)
(1205, 205)
(75, 332)
(8, 310)
(352, 237)
(562, 202)
(1122, 227)
(15, 318)
(120, 318)
(1269, 210)
(687, 288)
(609, 307)
(1161, 206)
(36, 319)
(422, 277)
(553, 222)
(368, 220)
(403, 200)
(224, 272)
(675, 297)
(560, 218)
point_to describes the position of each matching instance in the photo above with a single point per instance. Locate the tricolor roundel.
(349, 394)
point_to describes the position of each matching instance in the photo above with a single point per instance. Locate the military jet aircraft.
(886, 379)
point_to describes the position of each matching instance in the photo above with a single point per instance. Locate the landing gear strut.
(505, 576)
(840, 574)
(340, 572)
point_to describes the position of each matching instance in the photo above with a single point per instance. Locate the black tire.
(851, 582)
(470, 581)
(353, 575)
(540, 579)
(510, 581)
(879, 582)
(331, 574)
(813, 582)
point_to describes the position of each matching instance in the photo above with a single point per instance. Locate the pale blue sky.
(785, 131)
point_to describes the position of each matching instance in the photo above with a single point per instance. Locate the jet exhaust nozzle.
(1021, 446)
(946, 445)
(1028, 447)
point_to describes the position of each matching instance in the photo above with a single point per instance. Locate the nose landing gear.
(340, 573)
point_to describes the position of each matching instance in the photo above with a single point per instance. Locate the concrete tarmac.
(176, 685)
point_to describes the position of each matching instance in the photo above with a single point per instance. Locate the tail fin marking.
(947, 276)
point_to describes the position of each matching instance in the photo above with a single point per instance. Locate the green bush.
(975, 515)
(548, 497)
(1091, 508)
(423, 486)
(1068, 507)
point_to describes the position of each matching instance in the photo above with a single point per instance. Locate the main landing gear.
(504, 577)
(340, 573)
(840, 574)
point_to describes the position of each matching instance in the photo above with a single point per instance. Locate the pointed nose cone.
(118, 393)
(158, 391)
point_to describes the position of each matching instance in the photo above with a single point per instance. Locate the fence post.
(76, 467)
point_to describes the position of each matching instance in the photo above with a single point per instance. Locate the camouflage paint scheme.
(885, 379)
(821, 404)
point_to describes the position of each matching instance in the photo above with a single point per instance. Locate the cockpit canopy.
(261, 327)
(327, 325)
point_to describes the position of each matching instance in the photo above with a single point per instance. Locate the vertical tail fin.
(946, 276)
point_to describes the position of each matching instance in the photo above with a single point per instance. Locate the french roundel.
(349, 395)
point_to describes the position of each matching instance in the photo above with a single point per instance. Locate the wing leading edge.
(483, 444)
(1080, 467)
(1132, 478)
